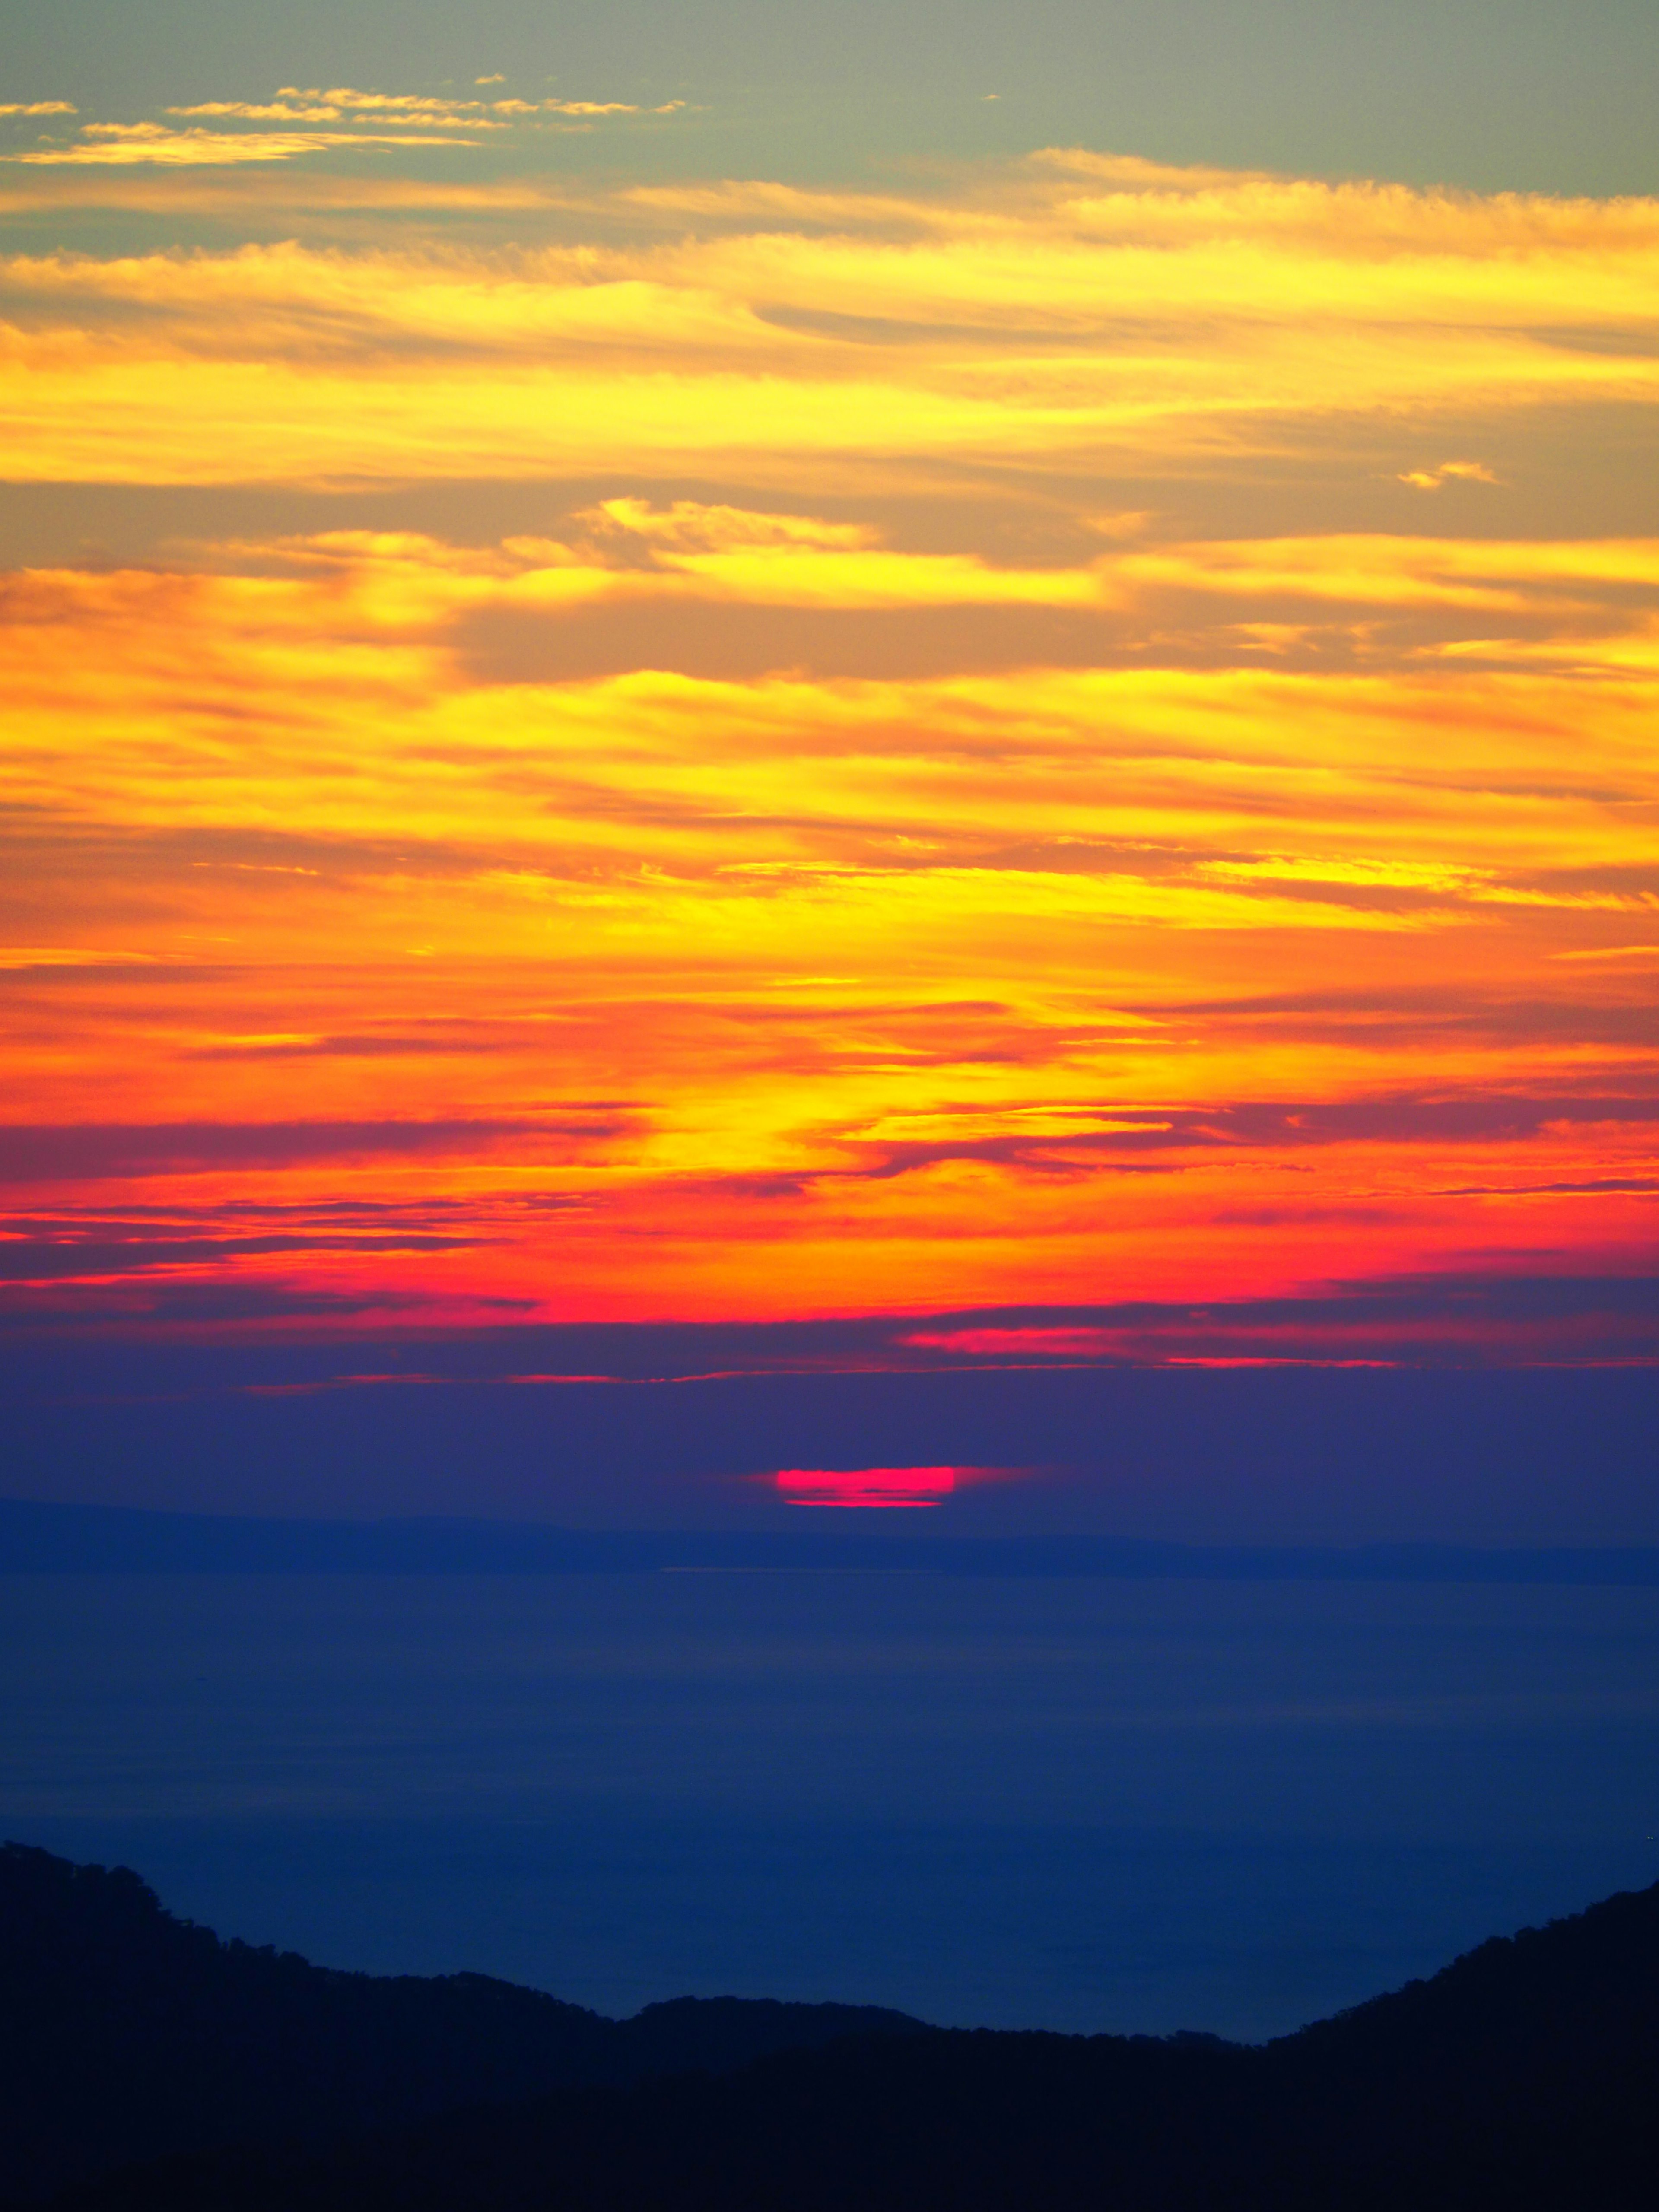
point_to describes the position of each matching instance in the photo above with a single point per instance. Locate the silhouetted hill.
(126, 2033)
(1525, 2077)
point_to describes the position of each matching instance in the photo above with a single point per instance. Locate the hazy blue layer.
(44, 1537)
(1292, 1454)
(1084, 1804)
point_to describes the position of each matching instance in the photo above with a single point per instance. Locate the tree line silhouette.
(147, 2067)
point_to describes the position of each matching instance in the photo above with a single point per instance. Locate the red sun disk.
(867, 1485)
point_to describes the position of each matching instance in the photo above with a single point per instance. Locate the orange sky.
(1053, 734)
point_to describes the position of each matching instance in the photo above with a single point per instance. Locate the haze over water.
(1083, 1804)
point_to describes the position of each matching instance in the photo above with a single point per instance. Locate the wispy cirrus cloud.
(119, 145)
(319, 107)
(335, 114)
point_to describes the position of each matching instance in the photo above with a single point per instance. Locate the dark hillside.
(1525, 2073)
(126, 2033)
(1524, 2076)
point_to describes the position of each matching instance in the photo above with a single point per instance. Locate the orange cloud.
(899, 977)
(799, 751)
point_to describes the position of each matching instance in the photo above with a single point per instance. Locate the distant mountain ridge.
(1523, 2076)
(42, 1536)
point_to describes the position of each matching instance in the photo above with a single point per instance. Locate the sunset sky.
(1040, 735)
(830, 986)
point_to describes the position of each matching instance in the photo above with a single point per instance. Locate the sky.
(817, 700)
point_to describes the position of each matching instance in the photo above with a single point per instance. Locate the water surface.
(1084, 1804)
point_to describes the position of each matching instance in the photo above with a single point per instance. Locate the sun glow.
(877, 1486)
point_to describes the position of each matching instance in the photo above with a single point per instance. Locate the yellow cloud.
(1376, 769)
(625, 550)
(1382, 571)
(1448, 472)
(1063, 322)
(123, 143)
(272, 110)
